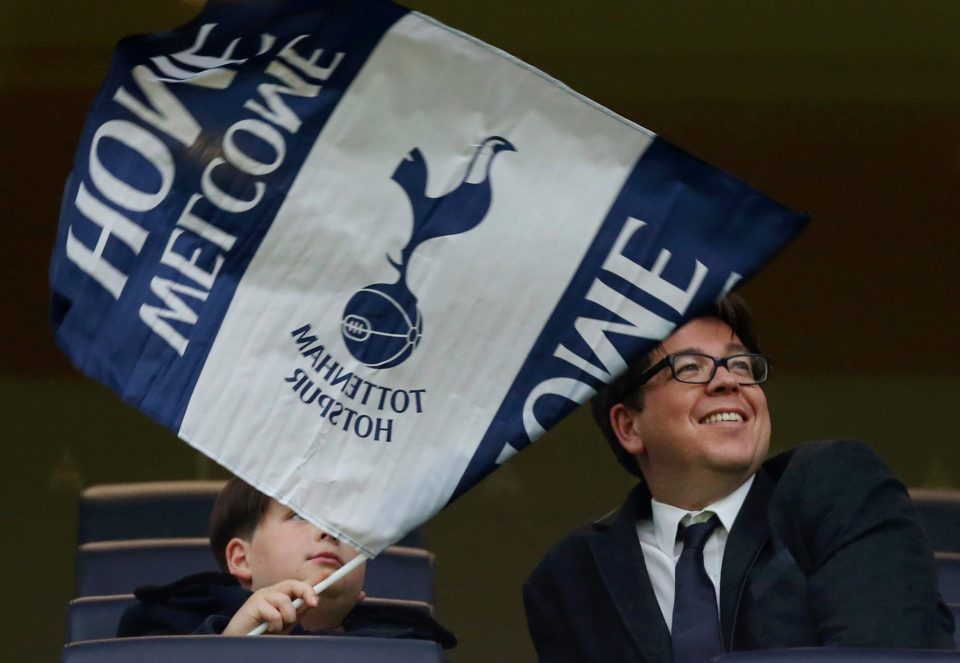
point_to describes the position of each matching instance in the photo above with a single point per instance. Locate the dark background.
(846, 109)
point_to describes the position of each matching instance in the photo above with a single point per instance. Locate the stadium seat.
(151, 510)
(96, 617)
(157, 510)
(288, 649)
(836, 655)
(939, 512)
(955, 609)
(948, 576)
(119, 567)
(400, 572)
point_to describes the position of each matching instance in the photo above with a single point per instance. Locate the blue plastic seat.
(96, 617)
(400, 572)
(837, 655)
(149, 510)
(119, 567)
(220, 649)
(955, 609)
(939, 513)
(948, 576)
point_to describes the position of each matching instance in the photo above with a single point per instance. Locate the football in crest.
(382, 325)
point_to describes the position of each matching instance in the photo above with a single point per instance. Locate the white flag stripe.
(325, 472)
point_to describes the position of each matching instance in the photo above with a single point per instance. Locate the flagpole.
(320, 586)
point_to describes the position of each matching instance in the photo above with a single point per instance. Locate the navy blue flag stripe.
(93, 328)
(684, 205)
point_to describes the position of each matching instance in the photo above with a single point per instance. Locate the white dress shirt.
(661, 549)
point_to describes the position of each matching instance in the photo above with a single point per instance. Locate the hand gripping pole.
(320, 586)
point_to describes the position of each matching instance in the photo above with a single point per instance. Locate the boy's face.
(285, 546)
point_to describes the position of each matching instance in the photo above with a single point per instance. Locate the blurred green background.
(846, 109)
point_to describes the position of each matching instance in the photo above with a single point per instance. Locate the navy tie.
(696, 621)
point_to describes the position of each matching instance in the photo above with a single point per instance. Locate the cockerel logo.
(382, 324)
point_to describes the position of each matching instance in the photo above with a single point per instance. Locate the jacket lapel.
(750, 532)
(620, 559)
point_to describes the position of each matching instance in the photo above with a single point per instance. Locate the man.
(716, 550)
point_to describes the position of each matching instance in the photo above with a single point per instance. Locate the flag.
(360, 259)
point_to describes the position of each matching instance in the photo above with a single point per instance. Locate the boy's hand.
(273, 605)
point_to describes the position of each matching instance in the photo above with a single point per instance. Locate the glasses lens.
(748, 368)
(695, 368)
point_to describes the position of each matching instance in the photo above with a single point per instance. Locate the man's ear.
(625, 424)
(238, 561)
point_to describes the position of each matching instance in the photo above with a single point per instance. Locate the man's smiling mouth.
(717, 417)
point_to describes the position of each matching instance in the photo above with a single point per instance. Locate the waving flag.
(360, 259)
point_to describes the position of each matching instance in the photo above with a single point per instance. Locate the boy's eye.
(295, 516)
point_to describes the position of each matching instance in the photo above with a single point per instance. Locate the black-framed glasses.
(697, 368)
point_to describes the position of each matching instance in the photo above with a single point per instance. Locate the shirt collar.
(666, 518)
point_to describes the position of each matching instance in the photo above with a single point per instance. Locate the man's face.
(677, 436)
(284, 546)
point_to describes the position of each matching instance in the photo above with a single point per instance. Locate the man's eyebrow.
(730, 348)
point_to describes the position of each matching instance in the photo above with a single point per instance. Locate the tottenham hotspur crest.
(381, 322)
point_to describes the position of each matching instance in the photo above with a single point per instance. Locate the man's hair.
(731, 310)
(236, 513)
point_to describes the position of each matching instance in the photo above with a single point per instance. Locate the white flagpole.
(320, 586)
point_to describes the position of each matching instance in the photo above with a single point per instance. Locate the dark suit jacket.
(826, 550)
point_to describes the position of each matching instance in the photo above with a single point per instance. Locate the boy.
(271, 557)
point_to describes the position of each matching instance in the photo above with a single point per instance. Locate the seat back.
(97, 617)
(948, 576)
(119, 567)
(939, 513)
(150, 510)
(288, 649)
(955, 609)
(400, 572)
(837, 655)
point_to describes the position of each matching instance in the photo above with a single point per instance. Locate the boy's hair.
(731, 310)
(236, 513)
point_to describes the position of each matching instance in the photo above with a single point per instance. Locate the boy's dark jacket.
(203, 604)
